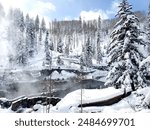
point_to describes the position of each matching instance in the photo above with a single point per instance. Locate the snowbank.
(73, 99)
(70, 103)
(63, 75)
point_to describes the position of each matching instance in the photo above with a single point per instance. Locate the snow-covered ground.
(69, 104)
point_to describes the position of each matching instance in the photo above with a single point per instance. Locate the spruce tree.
(99, 53)
(81, 63)
(124, 51)
(88, 53)
(60, 46)
(30, 38)
(40, 36)
(144, 65)
(51, 44)
(21, 23)
(47, 50)
(16, 36)
(67, 46)
(148, 28)
(59, 61)
(37, 24)
(27, 20)
(43, 26)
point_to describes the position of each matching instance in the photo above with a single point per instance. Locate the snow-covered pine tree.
(48, 58)
(16, 33)
(88, 53)
(27, 20)
(60, 46)
(30, 38)
(51, 45)
(37, 24)
(68, 44)
(81, 63)
(99, 53)
(59, 61)
(124, 51)
(20, 21)
(145, 64)
(148, 28)
(40, 35)
(37, 28)
(21, 55)
(43, 26)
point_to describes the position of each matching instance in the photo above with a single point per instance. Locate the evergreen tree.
(16, 36)
(67, 46)
(99, 53)
(18, 19)
(148, 28)
(40, 35)
(37, 24)
(99, 23)
(47, 50)
(81, 63)
(51, 45)
(59, 61)
(144, 65)
(60, 46)
(123, 51)
(22, 23)
(43, 26)
(21, 55)
(88, 53)
(30, 38)
(27, 20)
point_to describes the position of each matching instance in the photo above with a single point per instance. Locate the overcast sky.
(72, 9)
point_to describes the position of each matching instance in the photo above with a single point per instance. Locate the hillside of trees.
(26, 35)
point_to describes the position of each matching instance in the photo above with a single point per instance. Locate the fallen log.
(107, 102)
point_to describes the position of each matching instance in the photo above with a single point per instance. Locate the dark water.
(59, 88)
(30, 83)
(72, 86)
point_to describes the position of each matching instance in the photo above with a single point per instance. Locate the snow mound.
(71, 101)
(63, 75)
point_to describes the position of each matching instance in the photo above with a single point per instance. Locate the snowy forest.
(77, 66)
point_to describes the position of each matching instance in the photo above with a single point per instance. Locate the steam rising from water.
(22, 84)
(6, 49)
(3, 42)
